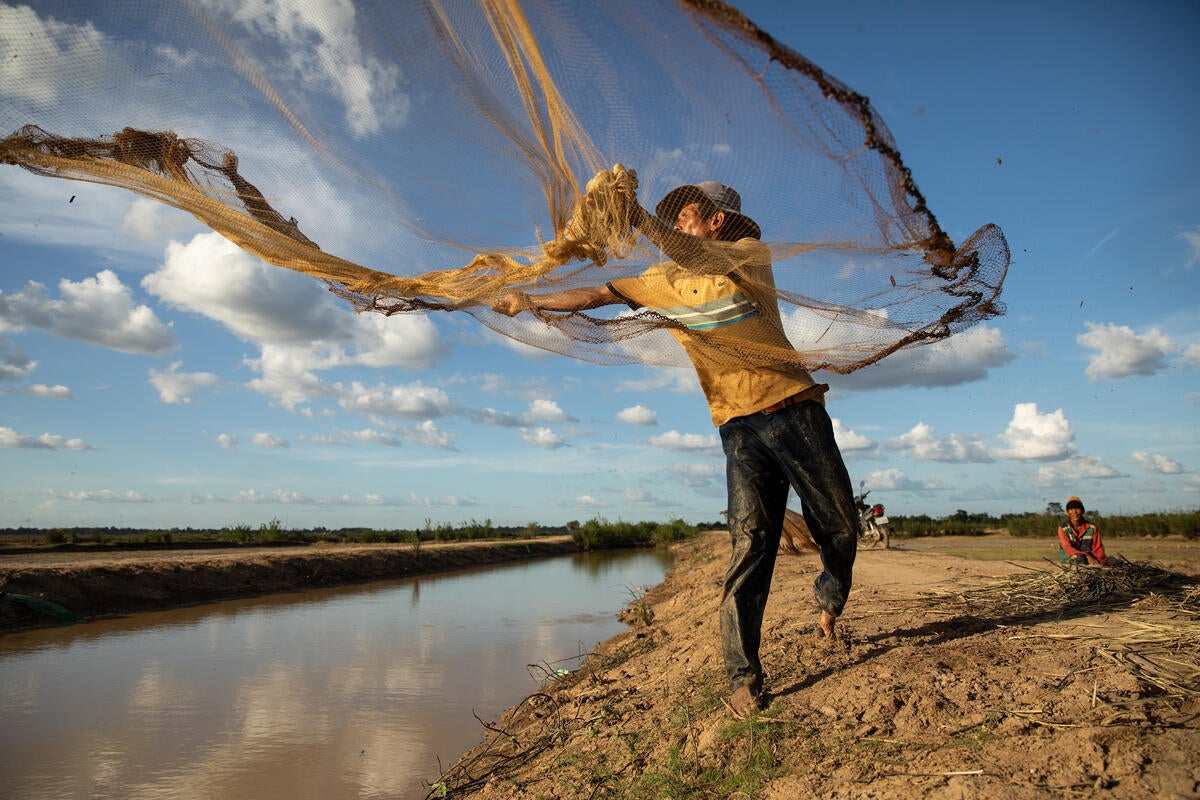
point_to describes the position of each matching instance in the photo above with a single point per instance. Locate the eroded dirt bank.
(936, 687)
(122, 583)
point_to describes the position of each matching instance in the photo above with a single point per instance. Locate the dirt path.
(918, 697)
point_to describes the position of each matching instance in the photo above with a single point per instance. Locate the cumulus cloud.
(674, 440)
(42, 51)
(1071, 471)
(15, 364)
(898, 480)
(10, 439)
(228, 441)
(99, 310)
(178, 387)
(147, 220)
(415, 401)
(542, 410)
(638, 415)
(638, 497)
(588, 501)
(490, 416)
(268, 441)
(1193, 240)
(326, 54)
(962, 358)
(542, 437)
(102, 496)
(1120, 352)
(699, 476)
(1191, 356)
(920, 444)
(299, 327)
(848, 441)
(1033, 436)
(427, 434)
(56, 392)
(1155, 463)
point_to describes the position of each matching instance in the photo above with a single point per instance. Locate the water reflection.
(333, 693)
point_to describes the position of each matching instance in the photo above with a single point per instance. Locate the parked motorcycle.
(873, 528)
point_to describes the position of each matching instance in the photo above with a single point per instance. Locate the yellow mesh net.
(455, 151)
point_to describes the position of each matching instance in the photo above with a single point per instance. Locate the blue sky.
(139, 389)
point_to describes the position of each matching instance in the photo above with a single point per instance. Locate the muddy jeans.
(765, 454)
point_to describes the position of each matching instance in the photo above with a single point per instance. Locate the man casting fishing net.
(770, 413)
(431, 156)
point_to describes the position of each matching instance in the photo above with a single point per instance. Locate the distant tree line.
(594, 534)
(962, 523)
(591, 535)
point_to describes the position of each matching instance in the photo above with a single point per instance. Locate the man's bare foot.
(827, 622)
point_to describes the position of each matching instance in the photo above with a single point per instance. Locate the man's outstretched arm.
(512, 303)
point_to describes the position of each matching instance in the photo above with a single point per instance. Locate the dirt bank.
(98, 585)
(950, 678)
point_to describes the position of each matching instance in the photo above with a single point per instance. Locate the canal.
(355, 692)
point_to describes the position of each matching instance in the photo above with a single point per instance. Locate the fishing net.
(432, 156)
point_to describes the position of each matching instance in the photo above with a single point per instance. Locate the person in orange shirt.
(1079, 539)
(718, 290)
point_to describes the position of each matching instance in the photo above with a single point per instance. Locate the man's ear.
(717, 220)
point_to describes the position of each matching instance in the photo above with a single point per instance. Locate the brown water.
(356, 692)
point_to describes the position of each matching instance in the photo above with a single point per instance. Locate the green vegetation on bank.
(962, 523)
(595, 534)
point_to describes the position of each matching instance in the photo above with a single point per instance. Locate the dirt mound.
(926, 692)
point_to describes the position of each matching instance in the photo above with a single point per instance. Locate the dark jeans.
(765, 454)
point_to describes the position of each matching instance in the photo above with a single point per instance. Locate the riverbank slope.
(100, 584)
(949, 678)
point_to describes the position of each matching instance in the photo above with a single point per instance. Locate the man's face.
(692, 223)
(1074, 515)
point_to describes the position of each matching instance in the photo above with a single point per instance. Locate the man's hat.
(737, 225)
(1074, 502)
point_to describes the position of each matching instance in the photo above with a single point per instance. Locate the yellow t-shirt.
(716, 312)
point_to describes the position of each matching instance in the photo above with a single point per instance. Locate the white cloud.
(1191, 356)
(412, 401)
(542, 410)
(1193, 239)
(638, 497)
(898, 480)
(325, 53)
(103, 496)
(15, 364)
(638, 415)
(920, 444)
(1033, 436)
(674, 440)
(588, 500)
(299, 327)
(227, 441)
(847, 440)
(56, 392)
(98, 310)
(178, 387)
(1156, 463)
(40, 53)
(148, 220)
(490, 416)
(1121, 352)
(1073, 470)
(267, 440)
(699, 476)
(542, 437)
(963, 358)
(664, 379)
(10, 439)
